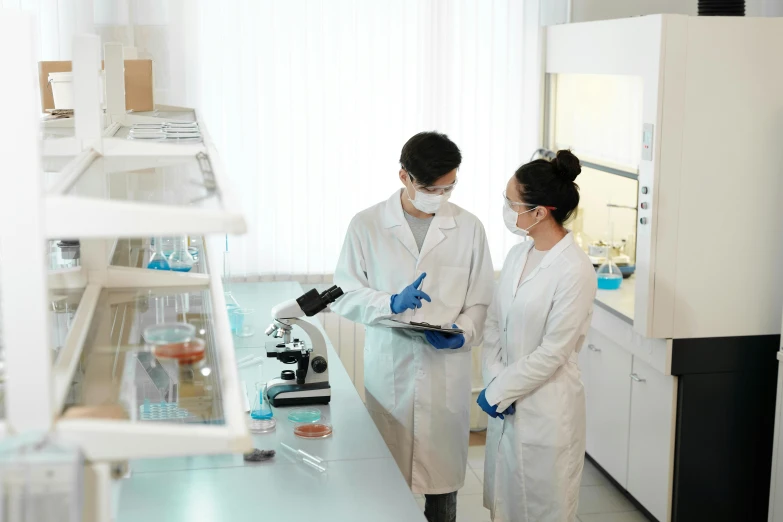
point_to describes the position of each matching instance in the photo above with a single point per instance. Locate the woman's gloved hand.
(410, 298)
(443, 341)
(492, 411)
(511, 410)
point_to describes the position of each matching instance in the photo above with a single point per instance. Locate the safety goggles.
(433, 189)
(514, 205)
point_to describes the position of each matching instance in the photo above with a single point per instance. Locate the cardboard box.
(139, 89)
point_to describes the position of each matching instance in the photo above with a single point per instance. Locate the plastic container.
(315, 430)
(40, 480)
(168, 333)
(62, 89)
(304, 415)
(185, 353)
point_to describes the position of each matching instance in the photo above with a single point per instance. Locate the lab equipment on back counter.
(609, 276)
(310, 383)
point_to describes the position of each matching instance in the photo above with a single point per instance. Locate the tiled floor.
(599, 501)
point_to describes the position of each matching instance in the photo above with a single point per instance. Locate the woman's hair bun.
(567, 165)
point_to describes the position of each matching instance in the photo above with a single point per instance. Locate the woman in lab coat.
(535, 327)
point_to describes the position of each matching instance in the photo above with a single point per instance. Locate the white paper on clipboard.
(421, 327)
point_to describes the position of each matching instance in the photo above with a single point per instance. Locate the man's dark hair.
(428, 156)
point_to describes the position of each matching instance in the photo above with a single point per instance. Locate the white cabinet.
(630, 415)
(608, 404)
(651, 441)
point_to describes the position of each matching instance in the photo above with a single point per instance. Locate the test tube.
(258, 359)
(303, 453)
(311, 461)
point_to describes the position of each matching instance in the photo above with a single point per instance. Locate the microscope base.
(286, 394)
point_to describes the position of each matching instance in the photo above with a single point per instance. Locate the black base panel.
(272, 394)
(725, 426)
(302, 401)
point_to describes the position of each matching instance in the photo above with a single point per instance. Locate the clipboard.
(421, 327)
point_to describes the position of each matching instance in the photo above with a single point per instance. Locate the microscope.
(309, 384)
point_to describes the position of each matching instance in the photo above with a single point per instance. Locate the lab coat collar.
(548, 259)
(558, 249)
(393, 218)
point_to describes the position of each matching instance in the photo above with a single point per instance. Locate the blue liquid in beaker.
(261, 409)
(182, 269)
(609, 282)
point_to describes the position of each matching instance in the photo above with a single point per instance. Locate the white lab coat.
(419, 397)
(534, 458)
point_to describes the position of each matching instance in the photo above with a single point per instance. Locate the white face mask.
(427, 203)
(510, 219)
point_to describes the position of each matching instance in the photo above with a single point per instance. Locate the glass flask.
(609, 275)
(157, 260)
(180, 259)
(261, 409)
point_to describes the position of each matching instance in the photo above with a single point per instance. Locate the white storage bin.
(62, 89)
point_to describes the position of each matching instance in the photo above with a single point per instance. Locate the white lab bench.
(362, 480)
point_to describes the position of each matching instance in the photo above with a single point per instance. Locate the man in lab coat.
(418, 257)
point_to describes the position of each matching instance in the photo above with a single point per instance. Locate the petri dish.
(187, 352)
(261, 426)
(304, 415)
(168, 333)
(313, 430)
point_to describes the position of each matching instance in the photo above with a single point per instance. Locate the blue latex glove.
(443, 341)
(410, 298)
(511, 410)
(492, 411)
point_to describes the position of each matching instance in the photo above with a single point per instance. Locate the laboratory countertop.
(362, 480)
(620, 302)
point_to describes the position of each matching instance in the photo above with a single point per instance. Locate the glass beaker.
(261, 409)
(157, 260)
(241, 320)
(609, 275)
(180, 259)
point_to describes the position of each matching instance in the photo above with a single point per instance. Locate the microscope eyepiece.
(332, 294)
(312, 302)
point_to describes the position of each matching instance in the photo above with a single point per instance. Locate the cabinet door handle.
(593, 348)
(636, 378)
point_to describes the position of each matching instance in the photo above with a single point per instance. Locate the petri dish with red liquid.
(185, 352)
(313, 430)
